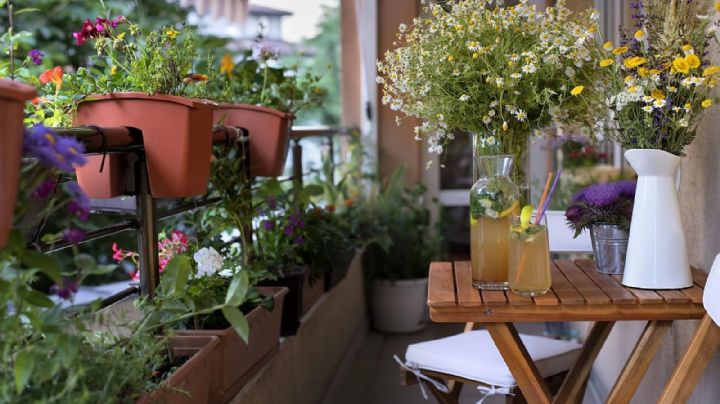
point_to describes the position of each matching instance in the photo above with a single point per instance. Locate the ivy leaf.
(24, 364)
(37, 260)
(238, 322)
(237, 290)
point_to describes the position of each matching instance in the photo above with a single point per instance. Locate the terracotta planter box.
(177, 134)
(269, 131)
(312, 291)
(194, 377)
(238, 360)
(106, 184)
(13, 96)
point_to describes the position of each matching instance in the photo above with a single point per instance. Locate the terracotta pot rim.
(17, 91)
(131, 95)
(257, 108)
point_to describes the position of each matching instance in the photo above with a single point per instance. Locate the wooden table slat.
(467, 295)
(699, 277)
(614, 290)
(516, 300)
(643, 296)
(441, 284)
(565, 291)
(674, 296)
(493, 297)
(695, 293)
(548, 299)
(590, 291)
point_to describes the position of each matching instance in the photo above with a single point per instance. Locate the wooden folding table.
(578, 293)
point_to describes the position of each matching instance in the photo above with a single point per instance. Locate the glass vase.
(510, 143)
(493, 199)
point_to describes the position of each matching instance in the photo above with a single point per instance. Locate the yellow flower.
(717, 5)
(693, 61)
(629, 78)
(608, 45)
(634, 61)
(711, 70)
(606, 62)
(706, 103)
(450, 58)
(632, 89)
(654, 71)
(476, 55)
(171, 33)
(113, 70)
(687, 106)
(577, 90)
(643, 71)
(121, 36)
(657, 94)
(681, 65)
(620, 50)
(640, 35)
(226, 65)
(687, 49)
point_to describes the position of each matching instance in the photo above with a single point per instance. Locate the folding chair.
(703, 345)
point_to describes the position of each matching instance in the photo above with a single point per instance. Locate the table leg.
(573, 387)
(639, 361)
(692, 365)
(518, 360)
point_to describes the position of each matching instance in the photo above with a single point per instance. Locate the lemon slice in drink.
(509, 210)
(525, 216)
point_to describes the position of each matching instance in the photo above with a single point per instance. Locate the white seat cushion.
(473, 356)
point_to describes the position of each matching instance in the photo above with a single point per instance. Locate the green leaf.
(35, 259)
(36, 298)
(24, 364)
(26, 10)
(237, 290)
(176, 275)
(238, 322)
(85, 262)
(68, 346)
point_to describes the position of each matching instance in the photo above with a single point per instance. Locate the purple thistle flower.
(36, 55)
(65, 291)
(573, 214)
(73, 235)
(45, 189)
(626, 188)
(268, 224)
(289, 230)
(601, 194)
(579, 196)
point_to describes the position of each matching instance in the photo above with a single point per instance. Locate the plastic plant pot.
(269, 131)
(12, 104)
(177, 135)
(108, 183)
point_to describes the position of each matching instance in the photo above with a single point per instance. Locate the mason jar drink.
(529, 270)
(493, 199)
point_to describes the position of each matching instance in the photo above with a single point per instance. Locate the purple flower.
(70, 153)
(65, 291)
(80, 205)
(271, 202)
(299, 240)
(73, 235)
(45, 189)
(289, 230)
(601, 194)
(626, 188)
(573, 214)
(579, 196)
(63, 153)
(117, 21)
(264, 52)
(268, 224)
(36, 55)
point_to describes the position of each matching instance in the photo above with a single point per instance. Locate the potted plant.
(142, 83)
(262, 96)
(605, 210)
(659, 86)
(396, 265)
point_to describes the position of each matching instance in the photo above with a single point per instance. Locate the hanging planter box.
(240, 360)
(12, 104)
(106, 184)
(191, 383)
(177, 134)
(269, 131)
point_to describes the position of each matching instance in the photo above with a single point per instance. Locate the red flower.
(54, 75)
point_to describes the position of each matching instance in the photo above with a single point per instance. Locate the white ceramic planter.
(399, 306)
(656, 255)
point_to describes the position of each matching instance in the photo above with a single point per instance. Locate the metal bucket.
(610, 244)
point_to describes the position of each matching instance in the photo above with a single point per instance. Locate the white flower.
(595, 16)
(647, 108)
(486, 119)
(516, 75)
(529, 68)
(521, 116)
(227, 273)
(684, 123)
(659, 103)
(208, 261)
(499, 81)
(491, 113)
(676, 109)
(490, 141)
(493, 104)
(570, 72)
(648, 99)
(402, 27)
(380, 80)
(464, 98)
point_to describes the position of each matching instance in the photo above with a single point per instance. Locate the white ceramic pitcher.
(656, 255)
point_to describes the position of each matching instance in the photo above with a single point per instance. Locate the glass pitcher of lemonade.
(493, 200)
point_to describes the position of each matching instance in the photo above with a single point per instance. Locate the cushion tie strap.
(414, 369)
(488, 391)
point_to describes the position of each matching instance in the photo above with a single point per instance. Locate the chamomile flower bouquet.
(497, 72)
(660, 75)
